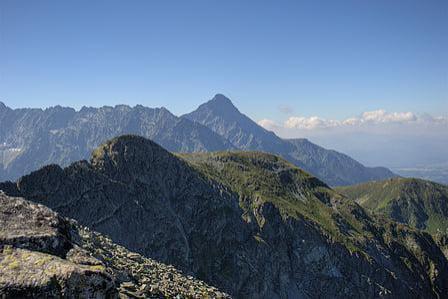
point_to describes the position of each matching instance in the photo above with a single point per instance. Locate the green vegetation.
(259, 178)
(418, 203)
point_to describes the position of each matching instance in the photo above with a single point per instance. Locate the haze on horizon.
(368, 78)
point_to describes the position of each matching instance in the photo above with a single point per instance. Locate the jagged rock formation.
(45, 256)
(222, 117)
(32, 138)
(251, 224)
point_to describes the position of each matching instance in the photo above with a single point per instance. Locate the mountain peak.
(221, 102)
(129, 156)
(219, 97)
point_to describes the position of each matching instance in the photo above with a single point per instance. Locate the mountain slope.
(249, 223)
(334, 168)
(221, 116)
(43, 255)
(418, 203)
(31, 138)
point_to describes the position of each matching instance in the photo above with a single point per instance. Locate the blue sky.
(334, 59)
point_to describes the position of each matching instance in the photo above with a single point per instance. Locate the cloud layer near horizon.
(367, 120)
(392, 139)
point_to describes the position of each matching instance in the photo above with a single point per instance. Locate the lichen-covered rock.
(45, 256)
(31, 274)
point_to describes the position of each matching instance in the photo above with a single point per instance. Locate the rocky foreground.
(44, 255)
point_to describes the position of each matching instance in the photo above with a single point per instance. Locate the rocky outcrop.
(45, 256)
(249, 223)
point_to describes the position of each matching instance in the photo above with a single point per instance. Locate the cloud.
(377, 122)
(309, 123)
(285, 109)
(376, 117)
(267, 124)
(381, 116)
(378, 137)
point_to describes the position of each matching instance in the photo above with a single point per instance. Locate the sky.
(300, 68)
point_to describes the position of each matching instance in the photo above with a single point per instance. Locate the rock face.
(249, 223)
(332, 167)
(45, 256)
(32, 138)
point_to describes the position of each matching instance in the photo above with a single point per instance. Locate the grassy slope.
(418, 203)
(259, 178)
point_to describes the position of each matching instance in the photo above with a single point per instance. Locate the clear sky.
(334, 59)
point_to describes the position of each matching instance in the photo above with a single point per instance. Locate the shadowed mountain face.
(332, 167)
(251, 224)
(32, 138)
(43, 255)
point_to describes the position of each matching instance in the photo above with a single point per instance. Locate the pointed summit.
(220, 103)
(222, 117)
(222, 99)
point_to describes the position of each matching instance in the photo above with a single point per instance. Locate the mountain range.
(32, 138)
(249, 223)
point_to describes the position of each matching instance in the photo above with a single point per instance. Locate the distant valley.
(437, 173)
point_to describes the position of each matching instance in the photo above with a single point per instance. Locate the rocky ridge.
(32, 138)
(44, 255)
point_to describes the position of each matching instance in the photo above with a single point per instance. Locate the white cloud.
(381, 116)
(368, 118)
(285, 109)
(309, 123)
(374, 137)
(267, 124)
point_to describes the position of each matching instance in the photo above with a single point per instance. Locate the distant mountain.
(418, 203)
(249, 223)
(43, 255)
(31, 138)
(333, 167)
(222, 117)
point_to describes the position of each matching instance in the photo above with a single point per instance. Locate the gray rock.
(45, 256)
